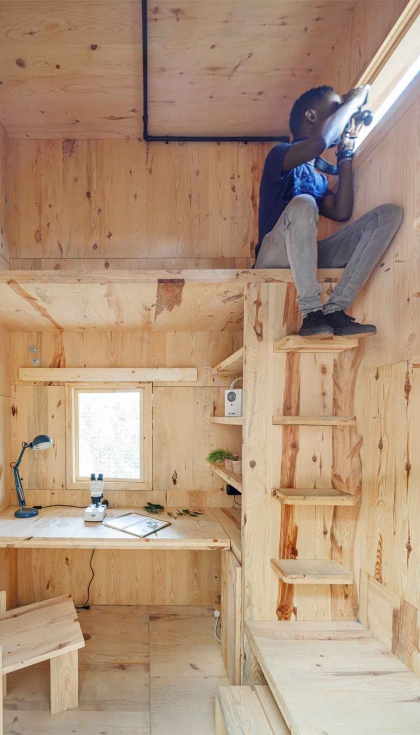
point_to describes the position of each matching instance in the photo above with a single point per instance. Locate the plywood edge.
(311, 571)
(314, 496)
(198, 276)
(295, 343)
(99, 375)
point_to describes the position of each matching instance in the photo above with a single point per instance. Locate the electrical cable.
(239, 505)
(86, 606)
(41, 507)
(216, 627)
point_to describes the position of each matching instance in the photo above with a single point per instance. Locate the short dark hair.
(304, 103)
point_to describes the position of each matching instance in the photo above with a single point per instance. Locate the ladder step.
(295, 343)
(311, 571)
(314, 496)
(314, 420)
(243, 711)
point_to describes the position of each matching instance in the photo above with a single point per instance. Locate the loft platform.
(314, 420)
(335, 678)
(191, 300)
(314, 496)
(64, 528)
(295, 343)
(311, 571)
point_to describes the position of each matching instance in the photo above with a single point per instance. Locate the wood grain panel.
(4, 206)
(200, 200)
(121, 577)
(77, 66)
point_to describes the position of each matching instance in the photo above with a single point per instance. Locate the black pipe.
(188, 138)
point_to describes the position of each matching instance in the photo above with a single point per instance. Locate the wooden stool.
(42, 631)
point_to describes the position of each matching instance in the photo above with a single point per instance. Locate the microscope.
(95, 512)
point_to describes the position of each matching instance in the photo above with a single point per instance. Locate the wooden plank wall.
(4, 210)
(127, 204)
(5, 473)
(183, 436)
(389, 523)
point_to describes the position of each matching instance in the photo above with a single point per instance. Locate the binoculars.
(360, 117)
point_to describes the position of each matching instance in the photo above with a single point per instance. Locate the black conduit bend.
(188, 138)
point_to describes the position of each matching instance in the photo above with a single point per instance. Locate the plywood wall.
(389, 527)
(183, 434)
(5, 474)
(128, 204)
(4, 240)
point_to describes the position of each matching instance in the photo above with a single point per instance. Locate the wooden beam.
(311, 571)
(198, 276)
(314, 420)
(107, 375)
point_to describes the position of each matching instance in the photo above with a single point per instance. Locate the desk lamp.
(40, 442)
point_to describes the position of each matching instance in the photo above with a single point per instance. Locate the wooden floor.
(144, 671)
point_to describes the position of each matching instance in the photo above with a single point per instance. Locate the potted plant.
(237, 466)
(220, 456)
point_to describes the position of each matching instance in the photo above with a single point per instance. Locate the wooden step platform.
(311, 571)
(314, 420)
(335, 678)
(243, 711)
(314, 496)
(227, 420)
(295, 343)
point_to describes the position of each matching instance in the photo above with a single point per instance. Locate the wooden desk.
(64, 528)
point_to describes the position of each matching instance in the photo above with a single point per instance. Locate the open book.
(136, 524)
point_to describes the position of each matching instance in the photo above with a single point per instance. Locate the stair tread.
(335, 677)
(314, 496)
(311, 571)
(295, 343)
(243, 713)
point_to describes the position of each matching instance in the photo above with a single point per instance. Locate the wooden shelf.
(227, 420)
(314, 420)
(116, 375)
(295, 343)
(228, 476)
(314, 496)
(311, 571)
(232, 365)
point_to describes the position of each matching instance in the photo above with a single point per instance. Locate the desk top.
(63, 528)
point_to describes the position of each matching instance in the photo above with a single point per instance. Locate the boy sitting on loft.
(292, 195)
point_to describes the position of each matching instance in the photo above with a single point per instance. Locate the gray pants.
(292, 243)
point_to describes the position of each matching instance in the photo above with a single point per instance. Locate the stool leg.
(64, 682)
(220, 728)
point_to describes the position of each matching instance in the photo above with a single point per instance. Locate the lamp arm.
(18, 480)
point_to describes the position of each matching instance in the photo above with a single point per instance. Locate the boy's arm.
(330, 130)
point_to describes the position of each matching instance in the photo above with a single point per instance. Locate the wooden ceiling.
(73, 68)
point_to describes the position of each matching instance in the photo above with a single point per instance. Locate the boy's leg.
(358, 247)
(293, 244)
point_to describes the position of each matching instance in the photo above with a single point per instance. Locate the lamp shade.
(42, 441)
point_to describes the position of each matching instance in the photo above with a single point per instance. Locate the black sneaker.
(346, 326)
(316, 325)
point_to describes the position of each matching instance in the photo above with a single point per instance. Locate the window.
(110, 432)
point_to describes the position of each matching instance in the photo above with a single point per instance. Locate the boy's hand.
(358, 94)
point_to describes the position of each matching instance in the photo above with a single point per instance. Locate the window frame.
(72, 389)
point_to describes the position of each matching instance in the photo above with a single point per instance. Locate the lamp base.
(25, 512)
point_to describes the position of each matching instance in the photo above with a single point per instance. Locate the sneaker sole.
(321, 335)
(343, 333)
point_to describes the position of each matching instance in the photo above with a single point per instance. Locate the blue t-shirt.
(278, 188)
